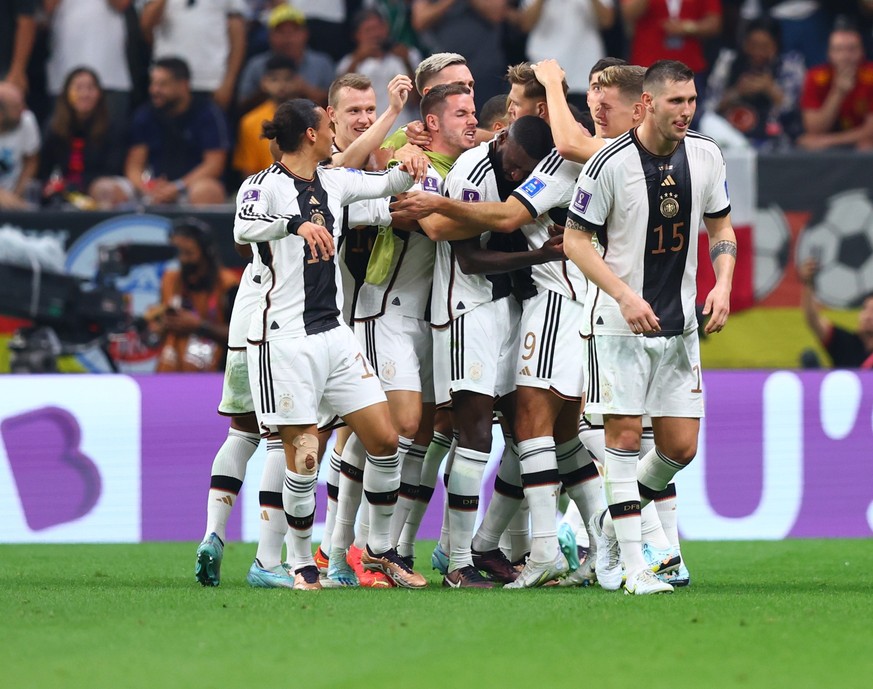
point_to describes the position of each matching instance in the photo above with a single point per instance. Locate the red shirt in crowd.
(651, 43)
(857, 104)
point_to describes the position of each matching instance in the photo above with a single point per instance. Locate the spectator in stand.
(673, 30)
(804, 27)
(91, 33)
(327, 25)
(82, 143)
(252, 153)
(837, 101)
(471, 28)
(376, 56)
(178, 145)
(196, 300)
(398, 14)
(846, 349)
(289, 38)
(210, 36)
(19, 147)
(568, 31)
(17, 35)
(757, 89)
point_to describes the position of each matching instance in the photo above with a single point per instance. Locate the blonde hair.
(433, 65)
(523, 74)
(628, 79)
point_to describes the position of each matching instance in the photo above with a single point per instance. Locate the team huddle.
(514, 269)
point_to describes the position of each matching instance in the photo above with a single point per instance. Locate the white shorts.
(633, 375)
(401, 350)
(236, 393)
(306, 380)
(551, 351)
(244, 305)
(477, 352)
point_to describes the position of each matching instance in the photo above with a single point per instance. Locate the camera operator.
(192, 318)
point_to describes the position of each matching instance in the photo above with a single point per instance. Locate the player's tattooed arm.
(573, 225)
(723, 252)
(725, 246)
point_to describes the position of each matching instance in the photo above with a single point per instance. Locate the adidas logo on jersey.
(525, 371)
(313, 201)
(274, 325)
(460, 305)
(669, 182)
(395, 301)
(599, 320)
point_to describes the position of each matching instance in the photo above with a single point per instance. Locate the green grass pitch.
(758, 614)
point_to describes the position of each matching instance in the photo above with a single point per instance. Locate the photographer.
(846, 349)
(196, 300)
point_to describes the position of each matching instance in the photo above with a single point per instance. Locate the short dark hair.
(603, 63)
(363, 15)
(434, 100)
(277, 62)
(663, 71)
(290, 122)
(533, 135)
(201, 234)
(175, 66)
(493, 110)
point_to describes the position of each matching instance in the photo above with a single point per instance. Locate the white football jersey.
(550, 188)
(300, 294)
(646, 211)
(472, 178)
(407, 289)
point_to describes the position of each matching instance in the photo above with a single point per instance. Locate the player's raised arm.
(355, 156)
(571, 140)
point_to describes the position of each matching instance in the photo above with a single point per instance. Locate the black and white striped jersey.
(472, 178)
(646, 211)
(546, 194)
(300, 294)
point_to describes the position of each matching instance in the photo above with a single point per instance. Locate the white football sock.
(539, 476)
(381, 484)
(349, 496)
(436, 452)
(623, 498)
(465, 482)
(333, 474)
(273, 525)
(411, 462)
(298, 498)
(228, 472)
(505, 502)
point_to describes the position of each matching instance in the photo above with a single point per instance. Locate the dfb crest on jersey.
(669, 205)
(471, 195)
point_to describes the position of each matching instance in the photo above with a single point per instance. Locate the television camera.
(70, 314)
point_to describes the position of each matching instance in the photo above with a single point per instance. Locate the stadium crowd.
(115, 104)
